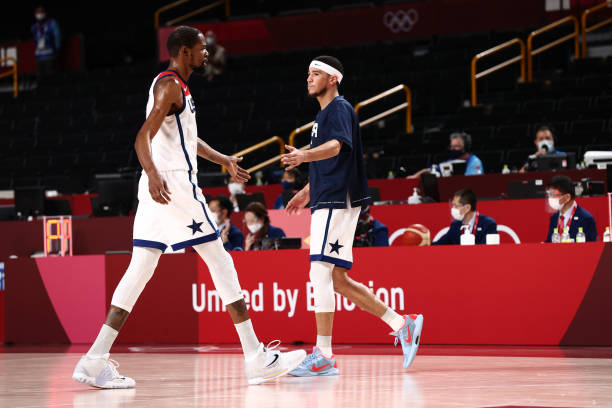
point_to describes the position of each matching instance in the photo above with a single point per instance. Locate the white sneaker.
(100, 372)
(269, 364)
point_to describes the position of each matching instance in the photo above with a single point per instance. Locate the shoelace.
(112, 367)
(272, 345)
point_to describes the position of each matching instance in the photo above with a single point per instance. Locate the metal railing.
(405, 105)
(13, 71)
(261, 145)
(190, 14)
(594, 27)
(531, 52)
(474, 75)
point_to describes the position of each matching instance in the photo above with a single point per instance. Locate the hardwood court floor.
(175, 377)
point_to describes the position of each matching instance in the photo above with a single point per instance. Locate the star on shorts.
(335, 247)
(195, 227)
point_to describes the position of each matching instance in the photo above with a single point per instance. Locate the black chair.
(57, 207)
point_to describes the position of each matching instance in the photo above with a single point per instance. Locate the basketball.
(416, 235)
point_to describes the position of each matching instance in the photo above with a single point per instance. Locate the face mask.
(288, 185)
(255, 227)
(216, 219)
(235, 188)
(456, 214)
(210, 41)
(454, 154)
(40, 16)
(548, 145)
(555, 203)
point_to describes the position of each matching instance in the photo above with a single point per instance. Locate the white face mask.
(235, 188)
(548, 143)
(216, 219)
(40, 16)
(456, 214)
(554, 203)
(255, 227)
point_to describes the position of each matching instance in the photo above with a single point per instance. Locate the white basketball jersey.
(174, 146)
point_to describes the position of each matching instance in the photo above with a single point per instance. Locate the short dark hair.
(225, 203)
(331, 61)
(544, 128)
(563, 184)
(299, 178)
(467, 139)
(259, 210)
(182, 35)
(467, 196)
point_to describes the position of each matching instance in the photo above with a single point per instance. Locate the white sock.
(103, 342)
(248, 339)
(393, 319)
(325, 345)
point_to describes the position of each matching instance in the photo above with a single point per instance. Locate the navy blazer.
(486, 225)
(275, 232)
(582, 218)
(235, 239)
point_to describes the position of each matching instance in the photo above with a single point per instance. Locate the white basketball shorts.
(332, 231)
(185, 221)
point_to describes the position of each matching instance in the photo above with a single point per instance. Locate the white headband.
(326, 68)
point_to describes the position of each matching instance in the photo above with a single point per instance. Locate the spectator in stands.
(221, 208)
(258, 222)
(216, 56)
(292, 181)
(467, 219)
(235, 188)
(460, 145)
(47, 41)
(545, 144)
(561, 198)
(370, 232)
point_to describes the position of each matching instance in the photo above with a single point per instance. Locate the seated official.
(293, 181)
(370, 232)
(467, 219)
(460, 145)
(258, 222)
(221, 208)
(545, 143)
(561, 198)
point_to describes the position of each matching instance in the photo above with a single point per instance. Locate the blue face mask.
(288, 185)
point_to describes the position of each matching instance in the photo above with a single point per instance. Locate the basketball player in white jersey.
(172, 212)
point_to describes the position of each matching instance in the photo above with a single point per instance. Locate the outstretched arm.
(299, 200)
(295, 157)
(229, 162)
(168, 98)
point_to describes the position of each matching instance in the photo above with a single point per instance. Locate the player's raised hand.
(294, 158)
(158, 188)
(298, 202)
(238, 173)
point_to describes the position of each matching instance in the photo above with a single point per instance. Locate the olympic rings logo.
(400, 20)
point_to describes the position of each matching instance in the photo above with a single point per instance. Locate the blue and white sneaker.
(410, 337)
(316, 364)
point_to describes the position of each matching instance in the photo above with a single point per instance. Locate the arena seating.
(81, 123)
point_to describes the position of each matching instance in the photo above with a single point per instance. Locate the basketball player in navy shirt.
(337, 191)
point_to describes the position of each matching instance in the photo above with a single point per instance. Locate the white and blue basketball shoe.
(316, 364)
(410, 337)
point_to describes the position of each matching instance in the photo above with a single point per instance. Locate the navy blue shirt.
(486, 225)
(235, 239)
(332, 179)
(582, 218)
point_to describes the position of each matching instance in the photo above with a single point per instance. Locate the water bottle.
(556, 238)
(505, 170)
(565, 238)
(415, 198)
(607, 235)
(390, 175)
(580, 237)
